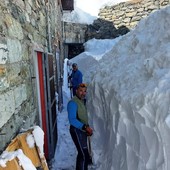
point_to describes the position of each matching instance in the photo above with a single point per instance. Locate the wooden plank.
(20, 142)
(14, 145)
(12, 165)
(43, 160)
(31, 153)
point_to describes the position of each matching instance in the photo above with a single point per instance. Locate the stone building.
(31, 68)
(74, 37)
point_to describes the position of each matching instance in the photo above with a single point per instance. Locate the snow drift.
(129, 99)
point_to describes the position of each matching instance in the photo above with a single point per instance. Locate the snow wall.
(129, 99)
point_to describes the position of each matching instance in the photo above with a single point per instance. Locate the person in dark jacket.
(76, 78)
(79, 127)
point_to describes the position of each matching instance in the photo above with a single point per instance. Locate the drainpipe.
(48, 27)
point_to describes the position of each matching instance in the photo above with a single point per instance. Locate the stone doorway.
(74, 50)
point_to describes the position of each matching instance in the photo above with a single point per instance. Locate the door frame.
(44, 107)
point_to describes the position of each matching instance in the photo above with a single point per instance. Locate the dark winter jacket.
(76, 78)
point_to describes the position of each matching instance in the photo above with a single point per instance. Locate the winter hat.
(74, 65)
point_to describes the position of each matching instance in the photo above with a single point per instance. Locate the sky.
(92, 7)
(128, 99)
(86, 12)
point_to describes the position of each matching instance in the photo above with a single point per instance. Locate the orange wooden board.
(33, 153)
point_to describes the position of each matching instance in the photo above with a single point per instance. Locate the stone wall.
(74, 37)
(120, 18)
(74, 33)
(24, 26)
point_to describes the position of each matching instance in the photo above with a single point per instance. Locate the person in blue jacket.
(79, 127)
(76, 78)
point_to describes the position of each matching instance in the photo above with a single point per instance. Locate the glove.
(88, 130)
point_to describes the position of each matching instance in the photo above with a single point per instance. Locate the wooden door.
(49, 61)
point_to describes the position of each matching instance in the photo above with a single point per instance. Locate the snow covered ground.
(128, 100)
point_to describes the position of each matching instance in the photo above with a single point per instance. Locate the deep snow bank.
(129, 99)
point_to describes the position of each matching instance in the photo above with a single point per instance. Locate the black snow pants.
(80, 140)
